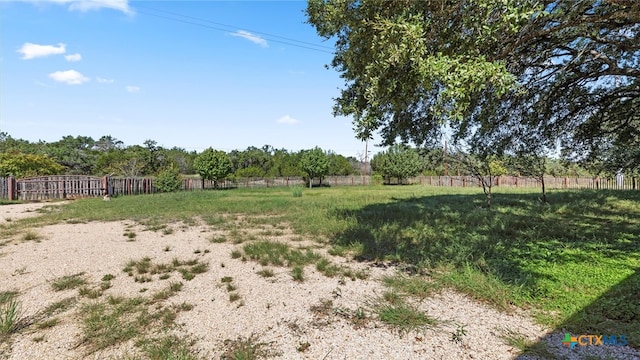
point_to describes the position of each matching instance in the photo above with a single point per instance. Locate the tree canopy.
(400, 162)
(494, 72)
(315, 164)
(213, 165)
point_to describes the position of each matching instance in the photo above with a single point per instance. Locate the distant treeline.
(82, 155)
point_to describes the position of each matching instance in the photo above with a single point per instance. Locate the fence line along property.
(77, 186)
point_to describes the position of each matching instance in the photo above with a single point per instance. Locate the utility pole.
(444, 159)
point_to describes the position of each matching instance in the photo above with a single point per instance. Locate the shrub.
(169, 180)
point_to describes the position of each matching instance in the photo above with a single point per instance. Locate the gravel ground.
(276, 311)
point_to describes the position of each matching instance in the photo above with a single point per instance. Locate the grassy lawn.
(573, 262)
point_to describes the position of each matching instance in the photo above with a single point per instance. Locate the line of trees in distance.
(82, 155)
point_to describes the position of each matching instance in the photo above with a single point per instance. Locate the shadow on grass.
(575, 259)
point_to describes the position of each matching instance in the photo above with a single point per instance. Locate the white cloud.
(251, 37)
(32, 51)
(104, 81)
(87, 5)
(287, 120)
(133, 89)
(73, 57)
(70, 77)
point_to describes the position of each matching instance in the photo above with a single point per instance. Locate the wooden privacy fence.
(54, 187)
(78, 186)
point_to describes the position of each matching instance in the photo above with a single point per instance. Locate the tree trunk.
(544, 192)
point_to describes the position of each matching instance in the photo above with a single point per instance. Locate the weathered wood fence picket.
(78, 186)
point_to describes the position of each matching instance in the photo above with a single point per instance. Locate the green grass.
(297, 273)
(400, 315)
(68, 282)
(60, 306)
(246, 349)
(118, 319)
(11, 319)
(279, 254)
(574, 261)
(409, 285)
(168, 347)
(31, 235)
(266, 273)
(142, 270)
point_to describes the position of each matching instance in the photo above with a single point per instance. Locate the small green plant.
(10, 314)
(185, 307)
(297, 191)
(171, 290)
(143, 269)
(266, 273)
(234, 296)
(60, 306)
(246, 349)
(412, 285)
(168, 180)
(226, 279)
(235, 254)
(199, 268)
(31, 235)
(303, 346)
(231, 287)
(89, 292)
(108, 277)
(167, 248)
(175, 286)
(68, 282)
(218, 239)
(297, 273)
(130, 235)
(168, 347)
(394, 311)
(186, 274)
(142, 279)
(458, 335)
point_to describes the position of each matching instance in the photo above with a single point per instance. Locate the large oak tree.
(495, 72)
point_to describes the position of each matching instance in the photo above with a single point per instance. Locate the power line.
(289, 41)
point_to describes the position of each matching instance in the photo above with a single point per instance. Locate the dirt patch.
(232, 300)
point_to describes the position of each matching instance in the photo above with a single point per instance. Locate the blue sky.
(170, 71)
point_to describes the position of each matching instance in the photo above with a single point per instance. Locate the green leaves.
(314, 163)
(26, 165)
(398, 161)
(417, 60)
(213, 165)
(493, 71)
